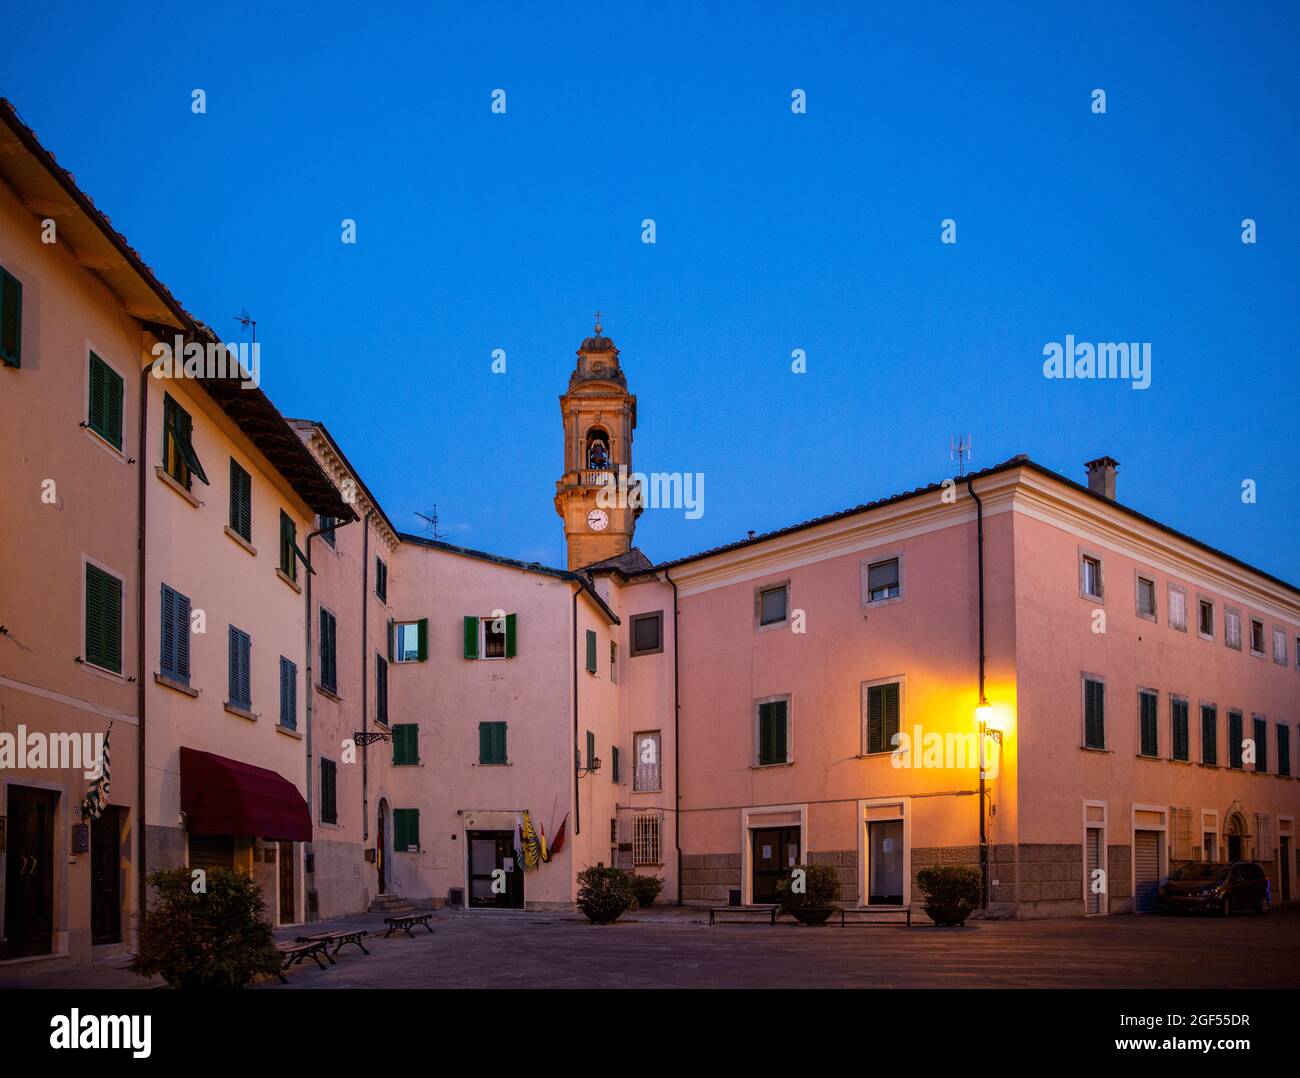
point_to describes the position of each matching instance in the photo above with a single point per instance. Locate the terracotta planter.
(948, 916)
(812, 915)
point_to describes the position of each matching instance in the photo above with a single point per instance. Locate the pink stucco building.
(807, 695)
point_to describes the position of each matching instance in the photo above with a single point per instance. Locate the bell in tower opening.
(599, 417)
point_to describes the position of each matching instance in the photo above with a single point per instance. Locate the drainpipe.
(984, 842)
(577, 793)
(677, 744)
(139, 642)
(365, 666)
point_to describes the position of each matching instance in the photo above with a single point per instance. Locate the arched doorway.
(1235, 833)
(381, 846)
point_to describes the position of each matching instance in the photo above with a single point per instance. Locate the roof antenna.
(247, 321)
(959, 450)
(431, 521)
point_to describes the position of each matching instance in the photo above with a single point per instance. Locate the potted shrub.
(645, 889)
(217, 938)
(809, 893)
(951, 892)
(604, 894)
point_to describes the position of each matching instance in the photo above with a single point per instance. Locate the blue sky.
(775, 231)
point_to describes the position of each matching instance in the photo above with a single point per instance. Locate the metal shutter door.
(1092, 853)
(212, 851)
(1146, 869)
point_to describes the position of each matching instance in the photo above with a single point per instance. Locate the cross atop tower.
(598, 325)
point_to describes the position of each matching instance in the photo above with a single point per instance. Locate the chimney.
(1101, 476)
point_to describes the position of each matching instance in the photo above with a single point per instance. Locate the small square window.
(647, 633)
(883, 581)
(772, 605)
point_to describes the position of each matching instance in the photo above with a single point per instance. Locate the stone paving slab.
(676, 948)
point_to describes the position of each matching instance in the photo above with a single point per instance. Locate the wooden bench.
(338, 939)
(293, 953)
(769, 912)
(407, 923)
(901, 915)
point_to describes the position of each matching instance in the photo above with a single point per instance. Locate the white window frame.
(864, 570)
(397, 632)
(751, 818)
(759, 625)
(1099, 597)
(903, 807)
(483, 623)
(1231, 614)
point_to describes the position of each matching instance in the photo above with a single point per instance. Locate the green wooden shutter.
(875, 719)
(780, 731)
(591, 651)
(241, 501)
(103, 619)
(422, 637)
(1260, 727)
(485, 742)
(406, 743)
(1209, 735)
(591, 747)
(471, 637)
(11, 319)
(613, 764)
(511, 636)
(892, 715)
(406, 829)
(1235, 752)
(390, 640)
(104, 405)
(1149, 744)
(1094, 714)
(499, 742)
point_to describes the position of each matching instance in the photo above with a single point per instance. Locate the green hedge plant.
(819, 890)
(645, 889)
(950, 886)
(214, 938)
(604, 894)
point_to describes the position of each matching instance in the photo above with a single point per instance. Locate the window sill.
(288, 580)
(1149, 756)
(172, 683)
(1256, 654)
(168, 481)
(1212, 767)
(288, 731)
(657, 790)
(329, 694)
(1096, 600)
(242, 712)
(873, 604)
(769, 767)
(1207, 637)
(883, 754)
(1103, 751)
(406, 763)
(101, 671)
(241, 540)
(503, 763)
(104, 443)
(1146, 617)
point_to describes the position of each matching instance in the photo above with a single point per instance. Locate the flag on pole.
(97, 796)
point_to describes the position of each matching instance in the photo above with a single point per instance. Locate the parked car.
(1215, 887)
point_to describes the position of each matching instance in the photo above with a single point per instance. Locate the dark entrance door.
(106, 876)
(1234, 847)
(495, 880)
(776, 852)
(29, 872)
(288, 903)
(885, 863)
(381, 850)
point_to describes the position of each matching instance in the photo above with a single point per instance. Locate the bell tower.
(599, 418)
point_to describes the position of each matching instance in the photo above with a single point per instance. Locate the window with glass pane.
(647, 774)
(1177, 608)
(772, 605)
(882, 580)
(494, 638)
(647, 633)
(1092, 577)
(406, 642)
(1146, 597)
(1257, 637)
(1207, 617)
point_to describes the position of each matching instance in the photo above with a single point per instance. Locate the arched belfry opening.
(597, 457)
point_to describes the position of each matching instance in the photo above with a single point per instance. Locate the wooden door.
(775, 853)
(288, 900)
(29, 872)
(106, 876)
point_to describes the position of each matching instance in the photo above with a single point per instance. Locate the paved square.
(677, 948)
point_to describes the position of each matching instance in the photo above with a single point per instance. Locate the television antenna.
(959, 450)
(247, 321)
(431, 523)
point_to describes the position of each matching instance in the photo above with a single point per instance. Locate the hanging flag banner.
(97, 796)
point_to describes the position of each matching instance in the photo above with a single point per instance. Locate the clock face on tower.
(598, 520)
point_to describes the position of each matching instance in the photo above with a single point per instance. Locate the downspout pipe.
(984, 841)
(577, 795)
(677, 740)
(365, 667)
(308, 684)
(140, 820)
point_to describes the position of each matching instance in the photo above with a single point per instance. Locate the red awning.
(220, 796)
